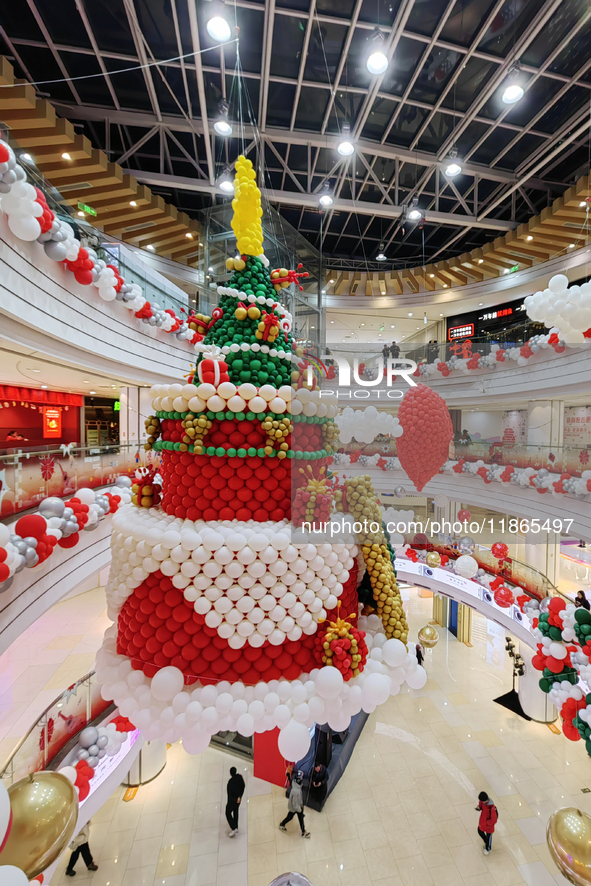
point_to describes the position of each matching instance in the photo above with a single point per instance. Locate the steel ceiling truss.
(470, 203)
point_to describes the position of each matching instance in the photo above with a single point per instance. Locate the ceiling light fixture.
(380, 256)
(345, 146)
(513, 89)
(217, 26)
(424, 318)
(445, 285)
(225, 182)
(44, 387)
(222, 125)
(582, 204)
(392, 326)
(150, 247)
(66, 156)
(415, 214)
(480, 260)
(132, 203)
(26, 158)
(325, 197)
(410, 314)
(189, 235)
(377, 61)
(571, 246)
(452, 166)
(529, 237)
(80, 213)
(431, 275)
(92, 392)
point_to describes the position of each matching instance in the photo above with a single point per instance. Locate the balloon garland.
(57, 525)
(565, 308)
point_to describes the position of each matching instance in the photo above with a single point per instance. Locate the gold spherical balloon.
(44, 817)
(433, 559)
(428, 637)
(568, 835)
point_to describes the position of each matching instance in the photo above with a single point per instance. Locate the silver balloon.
(31, 557)
(30, 541)
(55, 251)
(400, 492)
(68, 512)
(82, 754)
(21, 546)
(466, 545)
(92, 760)
(52, 507)
(545, 604)
(93, 750)
(102, 741)
(88, 737)
(101, 753)
(123, 482)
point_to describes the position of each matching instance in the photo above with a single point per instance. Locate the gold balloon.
(568, 835)
(44, 817)
(433, 559)
(428, 637)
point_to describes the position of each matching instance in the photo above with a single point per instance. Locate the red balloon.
(499, 550)
(33, 525)
(70, 541)
(423, 447)
(4, 572)
(464, 515)
(555, 665)
(504, 597)
(83, 276)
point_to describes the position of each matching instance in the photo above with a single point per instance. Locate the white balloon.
(417, 678)
(376, 689)
(245, 725)
(12, 876)
(5, 806)
(329, 682)
(466, 566)
(394, 653)
(166, 683)
(294, 741)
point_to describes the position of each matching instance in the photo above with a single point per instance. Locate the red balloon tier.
(224, 617)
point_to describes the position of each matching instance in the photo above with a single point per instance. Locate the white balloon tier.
(215, 629)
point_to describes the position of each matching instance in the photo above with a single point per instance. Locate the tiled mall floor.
(403, 815)
(53, 653)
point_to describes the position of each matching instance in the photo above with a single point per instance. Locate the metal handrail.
(39, 722)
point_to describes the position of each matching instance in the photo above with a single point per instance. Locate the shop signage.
(52, 422)
(464, 331)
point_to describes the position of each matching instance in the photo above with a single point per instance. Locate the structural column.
(534, 702)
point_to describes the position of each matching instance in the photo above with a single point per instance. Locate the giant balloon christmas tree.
(221, 620)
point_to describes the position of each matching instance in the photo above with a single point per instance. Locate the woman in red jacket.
(487, 821)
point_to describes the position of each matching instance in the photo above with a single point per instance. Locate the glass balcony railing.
(64, 718)
(28, 476)
(558, 460)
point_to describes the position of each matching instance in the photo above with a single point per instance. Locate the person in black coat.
(235, 788)
(582, 601)
(319, 782)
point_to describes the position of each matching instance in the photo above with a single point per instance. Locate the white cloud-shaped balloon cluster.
(364, 425)
(21, 206)
(565, 308)
(164, 707)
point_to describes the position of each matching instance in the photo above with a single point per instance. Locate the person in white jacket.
(80, 847)
(295, 804)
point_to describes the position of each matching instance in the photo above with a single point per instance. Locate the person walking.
(487, 821)
(295, 804)
(394, 351)
(419, 653)
(581, 600)
(235, 788)
(80, 847)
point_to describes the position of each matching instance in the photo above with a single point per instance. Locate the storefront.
(33, 418)
(502, 323)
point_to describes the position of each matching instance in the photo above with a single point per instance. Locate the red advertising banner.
(52, 422)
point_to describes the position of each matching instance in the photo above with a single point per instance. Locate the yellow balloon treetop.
(246, 204)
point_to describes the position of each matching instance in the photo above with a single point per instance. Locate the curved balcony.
(45, 309)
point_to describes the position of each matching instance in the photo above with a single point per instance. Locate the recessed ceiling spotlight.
(25, 157)
(332, 321)
(66, 156)
(392, 326)
(431, 275)
(480, 303)
(44, 387)
(410, 314)
(445, 285)
(529, 237)
(92, 392)
(480, 260)
(189, 235)
(132, 203)
(571, 245)
(582, 203)
(150, 247)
